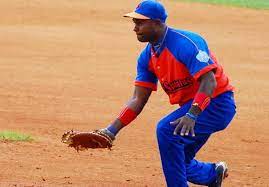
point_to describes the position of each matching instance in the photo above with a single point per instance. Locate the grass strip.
(15, 136)
(254, 4)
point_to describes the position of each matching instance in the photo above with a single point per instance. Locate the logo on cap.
(138, 6)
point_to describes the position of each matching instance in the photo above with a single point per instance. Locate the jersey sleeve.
(145, 77)
(196, 57)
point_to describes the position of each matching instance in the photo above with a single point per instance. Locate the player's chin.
(141, 38)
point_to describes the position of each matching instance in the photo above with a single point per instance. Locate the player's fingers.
(177, 129)
(192, 131)
(187, 131)
(183, 130)
(175, 122)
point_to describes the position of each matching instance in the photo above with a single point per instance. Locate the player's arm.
(207, 86)
(202, 98)
(133, 108)
(103, 138)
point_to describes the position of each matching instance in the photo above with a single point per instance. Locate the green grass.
(255, 4)
(14, 136)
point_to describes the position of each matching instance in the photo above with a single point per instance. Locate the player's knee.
(160, 127)
(163, 128)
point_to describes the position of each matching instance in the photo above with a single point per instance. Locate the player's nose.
(136, 29)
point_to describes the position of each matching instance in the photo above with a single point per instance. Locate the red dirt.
(71, 64)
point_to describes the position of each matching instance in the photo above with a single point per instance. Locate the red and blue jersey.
(182, 58)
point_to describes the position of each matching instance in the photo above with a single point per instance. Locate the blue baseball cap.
(149, 9)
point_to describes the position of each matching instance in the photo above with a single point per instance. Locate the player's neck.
(160, 34)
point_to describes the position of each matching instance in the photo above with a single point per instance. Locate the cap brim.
(135, 15)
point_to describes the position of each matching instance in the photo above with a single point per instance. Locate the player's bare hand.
(185, 125)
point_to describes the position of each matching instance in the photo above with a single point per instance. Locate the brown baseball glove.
(84, 140)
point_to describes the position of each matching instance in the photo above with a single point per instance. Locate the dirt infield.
(71, 65)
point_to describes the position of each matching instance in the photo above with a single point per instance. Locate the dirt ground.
(71, 64)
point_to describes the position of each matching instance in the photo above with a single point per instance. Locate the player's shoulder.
(183, 34)
(184, 38)
(146, 49)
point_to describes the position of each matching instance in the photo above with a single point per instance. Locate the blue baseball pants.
(178, 152)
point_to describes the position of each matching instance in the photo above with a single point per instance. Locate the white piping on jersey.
(190, 41)
(187, 38)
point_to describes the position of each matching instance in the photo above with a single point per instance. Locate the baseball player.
(192, 78)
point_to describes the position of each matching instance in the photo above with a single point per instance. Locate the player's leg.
(177, 152)
(215, 118)
(172, 150)
(196, 171)
(174, 155)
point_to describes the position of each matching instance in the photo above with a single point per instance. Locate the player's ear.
(158, 22)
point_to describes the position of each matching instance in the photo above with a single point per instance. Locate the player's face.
(145, 30)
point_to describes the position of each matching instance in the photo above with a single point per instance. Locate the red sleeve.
(146, 85)
(206, 69)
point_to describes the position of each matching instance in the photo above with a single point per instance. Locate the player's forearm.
(208, 84)
(132, 109)
(137, 104)
(202, 98)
